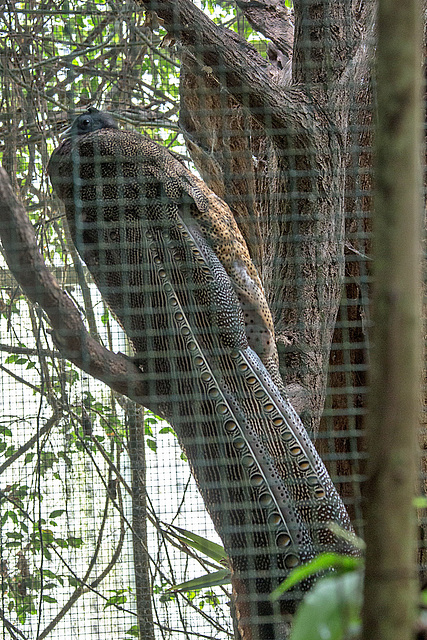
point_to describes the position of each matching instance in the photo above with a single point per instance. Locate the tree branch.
(274, 20)
(69, 333)
(32, 441)
(237, 66)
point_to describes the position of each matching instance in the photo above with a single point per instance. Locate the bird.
(219, 227)
(170, 261)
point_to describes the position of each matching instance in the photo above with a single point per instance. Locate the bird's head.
(91, 120)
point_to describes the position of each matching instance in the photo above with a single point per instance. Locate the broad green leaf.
(322, 562)
(61, 543)
(331, 610)
(211, 549)
(114, 600)
(74, 542)
(49, 574)
(209, 580)
(57, 513)
(152, 444)
(14, 535)
(167, 430)
(49, 599)
(73, 581)
(133, 631)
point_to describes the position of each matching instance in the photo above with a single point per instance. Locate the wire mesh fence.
(208, 221)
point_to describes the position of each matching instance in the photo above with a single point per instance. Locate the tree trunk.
(276, 151)
(390, 576)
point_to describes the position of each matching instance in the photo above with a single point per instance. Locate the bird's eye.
(85, 123)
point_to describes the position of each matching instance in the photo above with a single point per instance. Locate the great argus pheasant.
(170, 261)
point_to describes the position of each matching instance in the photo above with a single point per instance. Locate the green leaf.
(47, 554)
(420, 502)
(73, 581)
(133, 631)
(167, 430)
(61, 543)
(57, 513)
(14, 535)
(322, 562)
(207, 547)
(209, 580)
(115, 600)
(152, 444)
(331, 609)
(47, 536)
(148, 430)
(47, 573)
(67, 460)
(49, 599)
(75, 542)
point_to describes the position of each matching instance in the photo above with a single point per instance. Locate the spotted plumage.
(213, 216)
(170, 261)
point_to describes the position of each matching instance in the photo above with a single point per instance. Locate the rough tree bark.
(278, 146)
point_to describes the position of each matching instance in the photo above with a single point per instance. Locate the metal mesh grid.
(91, 486)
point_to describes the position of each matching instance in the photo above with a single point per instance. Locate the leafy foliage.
(332, 609)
